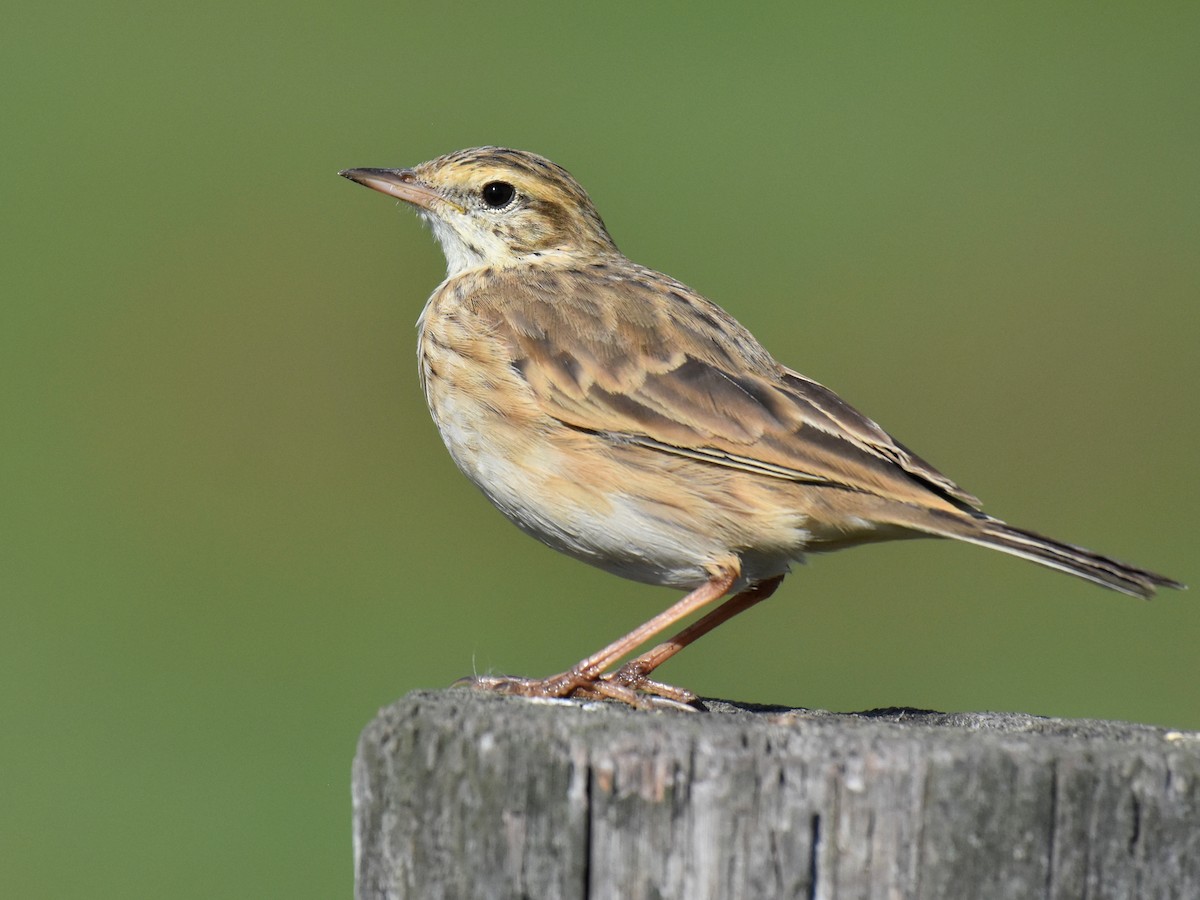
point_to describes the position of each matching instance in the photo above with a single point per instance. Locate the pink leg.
(584, 677)
(633, 673)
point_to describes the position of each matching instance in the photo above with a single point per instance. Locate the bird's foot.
(626, 685)
(632, 677)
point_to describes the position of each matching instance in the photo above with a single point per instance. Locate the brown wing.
(602, 352)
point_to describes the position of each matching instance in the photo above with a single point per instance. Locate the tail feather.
(1078, 561)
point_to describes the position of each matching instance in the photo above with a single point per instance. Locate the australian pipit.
(620, 417)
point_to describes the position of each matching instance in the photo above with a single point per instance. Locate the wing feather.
(625, 352)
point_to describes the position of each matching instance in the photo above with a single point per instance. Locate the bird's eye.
(498, 193)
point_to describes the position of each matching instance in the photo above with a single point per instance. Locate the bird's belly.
(637, 513)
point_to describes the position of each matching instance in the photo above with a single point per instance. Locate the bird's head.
(489, 206)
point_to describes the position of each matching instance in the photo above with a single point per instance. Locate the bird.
(618, 416)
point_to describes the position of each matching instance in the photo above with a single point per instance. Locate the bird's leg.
(634, 673)
(584, 679)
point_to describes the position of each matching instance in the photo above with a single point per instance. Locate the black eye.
(498, 193)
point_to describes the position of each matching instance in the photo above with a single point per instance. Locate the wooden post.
(459, 794)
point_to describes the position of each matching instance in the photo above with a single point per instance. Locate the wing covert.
(635, 355)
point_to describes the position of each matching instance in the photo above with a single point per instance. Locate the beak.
(401, 184)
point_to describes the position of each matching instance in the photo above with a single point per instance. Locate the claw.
(639, 692)
(632, 676)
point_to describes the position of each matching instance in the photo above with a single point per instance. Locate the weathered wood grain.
(466, 795)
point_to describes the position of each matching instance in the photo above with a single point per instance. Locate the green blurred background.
(231, 532)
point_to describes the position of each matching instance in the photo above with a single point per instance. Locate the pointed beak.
(401, 184)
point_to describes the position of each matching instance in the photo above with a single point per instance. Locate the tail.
(1078, 561)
